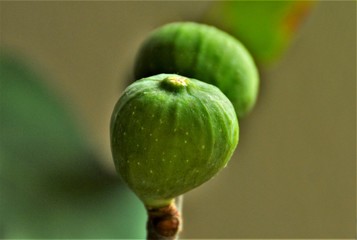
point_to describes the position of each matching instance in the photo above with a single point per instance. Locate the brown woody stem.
(163, 223)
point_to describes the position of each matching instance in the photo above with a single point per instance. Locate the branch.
(163, 223)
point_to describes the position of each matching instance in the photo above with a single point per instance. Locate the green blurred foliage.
(265, 27)
(51, 184)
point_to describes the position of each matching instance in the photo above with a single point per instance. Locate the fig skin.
(170, 134)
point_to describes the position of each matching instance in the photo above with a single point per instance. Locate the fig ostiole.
(170, 134)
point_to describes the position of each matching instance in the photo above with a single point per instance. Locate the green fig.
(202, 52)
(170, 134)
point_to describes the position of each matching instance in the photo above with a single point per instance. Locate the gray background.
(293, 174)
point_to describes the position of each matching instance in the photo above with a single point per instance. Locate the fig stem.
(163, 222)
(179, 203)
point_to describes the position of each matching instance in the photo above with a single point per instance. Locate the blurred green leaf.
(265, 27)
(51, 184)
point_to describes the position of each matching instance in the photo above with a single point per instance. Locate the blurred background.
(64, 65)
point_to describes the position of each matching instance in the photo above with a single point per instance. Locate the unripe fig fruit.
(170, 134)
(202, 52)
